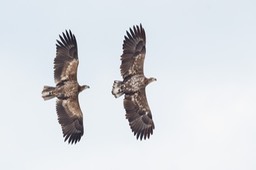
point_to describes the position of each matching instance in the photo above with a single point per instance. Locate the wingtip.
(144, 134)
(72, 139)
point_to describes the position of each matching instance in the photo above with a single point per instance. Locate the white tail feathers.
(116, 89)
(47, 92)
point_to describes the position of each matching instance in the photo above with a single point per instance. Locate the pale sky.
(203, 54)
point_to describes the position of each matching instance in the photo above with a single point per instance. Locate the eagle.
(134, 83)
(66, 91)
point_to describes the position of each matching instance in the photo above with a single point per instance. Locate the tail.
(117, 90)
(47, 92)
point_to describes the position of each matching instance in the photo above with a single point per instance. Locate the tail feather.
(117, 90)
(47, 92)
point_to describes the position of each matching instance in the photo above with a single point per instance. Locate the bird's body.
(134, 83)
(131, 85)
(67, 88)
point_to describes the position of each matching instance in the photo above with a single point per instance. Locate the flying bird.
(134, 83)
(67, 88)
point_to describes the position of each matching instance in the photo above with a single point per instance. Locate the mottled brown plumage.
(67, 88)
(134, 83)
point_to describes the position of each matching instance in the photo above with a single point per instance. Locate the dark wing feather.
(138, 114)
(133, 52)
(66, 61)
(71, 119)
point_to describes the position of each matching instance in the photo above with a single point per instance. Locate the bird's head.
(151, 79)
(83, 87)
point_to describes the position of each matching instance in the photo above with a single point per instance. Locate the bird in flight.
(134, 83)
(66, 91)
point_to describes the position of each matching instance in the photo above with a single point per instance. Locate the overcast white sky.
(203, 54)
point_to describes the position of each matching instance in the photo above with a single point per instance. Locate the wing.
(133, 52)
(138, 114)
(66, 61)
(71, 119)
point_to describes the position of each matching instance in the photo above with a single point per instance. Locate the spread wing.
(133, 52)
(138, 114)
(71, 119)
(66, 61)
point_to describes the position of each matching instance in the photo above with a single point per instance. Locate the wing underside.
(71, 119)
(66, 61)
(138, 114)
(133, 52)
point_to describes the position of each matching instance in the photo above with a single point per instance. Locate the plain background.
(201, 52)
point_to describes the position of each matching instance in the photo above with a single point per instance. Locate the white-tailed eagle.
(134, 83)
(67, 88)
